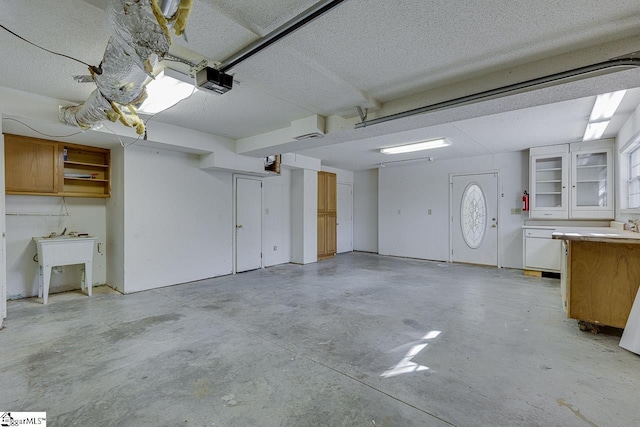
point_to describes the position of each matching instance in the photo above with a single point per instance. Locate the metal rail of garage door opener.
(627, 61)
(282, 31)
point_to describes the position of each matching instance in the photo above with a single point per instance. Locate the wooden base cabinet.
(602, 281)
(327, 215)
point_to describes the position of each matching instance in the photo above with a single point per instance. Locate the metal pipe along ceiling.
(282, 31)
(630, 61)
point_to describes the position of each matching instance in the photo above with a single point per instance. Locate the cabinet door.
(322, 235)
(331, 247)
(332, 188)
(592, 184)
(543, 254)
(322, 192)
(549, 192)
(31, 165)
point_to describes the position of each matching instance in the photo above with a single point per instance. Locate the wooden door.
(31, 165)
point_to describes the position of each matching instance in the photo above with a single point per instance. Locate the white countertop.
(596, 234)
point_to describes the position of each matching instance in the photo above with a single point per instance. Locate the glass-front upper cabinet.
(572, 181)
(549, 182)
(592, 181)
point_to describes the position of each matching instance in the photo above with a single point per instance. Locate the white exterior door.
(248, 224)
(345, 218)
(474, 218)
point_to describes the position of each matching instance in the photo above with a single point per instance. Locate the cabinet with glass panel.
(586, 192)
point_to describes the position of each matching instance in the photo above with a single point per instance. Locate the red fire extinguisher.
(525, 201)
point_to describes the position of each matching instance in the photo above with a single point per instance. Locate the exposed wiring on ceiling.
(42, 133)
(122, 144)
(93, 68)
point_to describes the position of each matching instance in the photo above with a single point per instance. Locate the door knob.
(238, 225)
(493, 225)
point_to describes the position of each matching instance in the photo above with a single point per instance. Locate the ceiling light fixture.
(417, 146)
(603, 110)
(166, 90)
(606, 105)
(595, 130)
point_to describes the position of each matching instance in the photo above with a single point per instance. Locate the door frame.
(500, 195)
(234, 203)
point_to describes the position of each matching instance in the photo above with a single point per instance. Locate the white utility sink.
(64, 250)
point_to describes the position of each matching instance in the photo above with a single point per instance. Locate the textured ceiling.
(381, 55)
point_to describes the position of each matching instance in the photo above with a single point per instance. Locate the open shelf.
(81, 160)
(68, 162)
(85, 179)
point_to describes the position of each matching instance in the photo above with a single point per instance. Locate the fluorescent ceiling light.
(606, 105)
(166, 90)
(595, 130)
(417, 146)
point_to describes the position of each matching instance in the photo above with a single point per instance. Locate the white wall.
(177, 219)
(3, 242)
(115, 222)
(85, 215)
(365, 211)
(276, 219)
(304, 216)
(406, 193)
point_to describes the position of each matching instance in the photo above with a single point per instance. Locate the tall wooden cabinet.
(327, 215)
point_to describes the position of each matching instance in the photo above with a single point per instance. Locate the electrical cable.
(122, 144)
(42, 133)
(95, 69)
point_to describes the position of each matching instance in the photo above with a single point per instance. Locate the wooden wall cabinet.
(39, 167)
(327, 215)
(31, 165)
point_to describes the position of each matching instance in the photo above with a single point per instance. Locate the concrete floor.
(307, 345)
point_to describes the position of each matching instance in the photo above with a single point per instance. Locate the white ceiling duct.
(140, 38)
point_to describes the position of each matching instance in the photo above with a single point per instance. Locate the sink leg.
(40, 282)
(46, 278)
(88, 277)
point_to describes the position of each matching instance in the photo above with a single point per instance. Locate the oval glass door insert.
(473, 215)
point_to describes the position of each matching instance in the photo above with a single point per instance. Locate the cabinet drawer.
(543, 234)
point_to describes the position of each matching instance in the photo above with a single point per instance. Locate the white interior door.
(248, 224)
(345, 218)
(474, 218)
